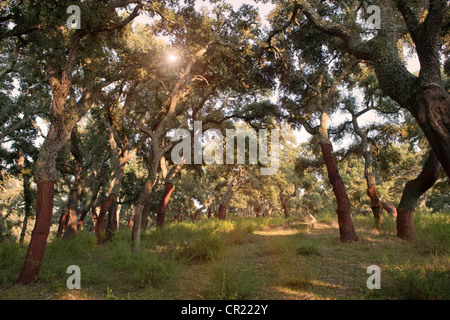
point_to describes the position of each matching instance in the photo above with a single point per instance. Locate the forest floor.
(270, 259)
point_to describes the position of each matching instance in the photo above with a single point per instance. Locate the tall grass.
(433, 231)
(428, 282)
(11, 258)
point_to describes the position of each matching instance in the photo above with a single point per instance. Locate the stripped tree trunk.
(169, 186)
(38, 243)
(161, 214)
(100, 224)
(197, 213)
(81, 220)
(112, 223)
(346, 229)
(411, 194)
(63, 221)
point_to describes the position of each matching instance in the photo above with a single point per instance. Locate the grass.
(257, 258)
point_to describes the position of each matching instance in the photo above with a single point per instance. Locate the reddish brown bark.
(197, 213)
(411, 194)
(100, 224)
(94, 218)
(222, 213)
(38, 243)
(63, 221)
(389, 208)
(405, 224)
(81, 220)
(161, 214)
(346, 228)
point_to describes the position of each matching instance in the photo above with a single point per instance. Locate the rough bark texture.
(76, 188)
(346, 228)
(72, 217)
(226, 198)
(38, 242)
(411, 194)
(433, 117)
(424, 96)
(136, 229)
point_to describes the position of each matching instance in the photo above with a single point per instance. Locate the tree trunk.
(434, 119)
(38, 242)
(144, 198)
(76, 188)
(197, 213)
(100, 225)
(161, 214)
(72, 218)
(411, 194)
(375, 203)
(389, 208)
(286, 209)
(222, 213)
(112, 223)
(83, 215)
(63, 221)
(346, 228)
(145, 216)
(94, 219)
(136, 229)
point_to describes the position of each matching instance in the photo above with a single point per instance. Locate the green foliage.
(413, 283)
(232, 282)
(433, 231)
(9, 251)
(61, 253)
(308, 248)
